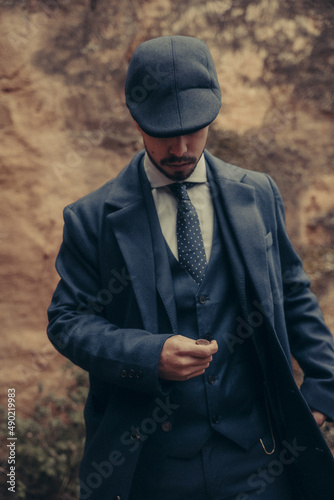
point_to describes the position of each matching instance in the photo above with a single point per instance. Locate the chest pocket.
(269, 240)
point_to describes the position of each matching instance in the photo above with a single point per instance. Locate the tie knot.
(179, 189)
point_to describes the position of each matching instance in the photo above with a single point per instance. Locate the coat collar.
(125, 188)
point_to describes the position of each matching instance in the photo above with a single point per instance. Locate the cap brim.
(161, 117)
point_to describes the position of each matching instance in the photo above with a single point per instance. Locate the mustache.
(175, 160)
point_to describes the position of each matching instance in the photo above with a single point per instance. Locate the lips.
(178, 161)
(178, 165)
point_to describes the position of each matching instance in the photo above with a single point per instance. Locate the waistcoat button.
(212, 379)
(215, 419)
(203, 299)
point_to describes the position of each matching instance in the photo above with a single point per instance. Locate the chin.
(178, 175)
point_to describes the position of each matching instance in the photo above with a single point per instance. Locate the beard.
(177, 175)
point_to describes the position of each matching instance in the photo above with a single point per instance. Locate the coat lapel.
(145, 257)
(243, 229)
(129, 223)
(162, 267)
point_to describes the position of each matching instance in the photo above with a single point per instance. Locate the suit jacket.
(114, 308)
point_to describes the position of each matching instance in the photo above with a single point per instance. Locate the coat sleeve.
(310, 340)
(127, 357)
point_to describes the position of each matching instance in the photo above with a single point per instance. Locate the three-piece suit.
(122, 294)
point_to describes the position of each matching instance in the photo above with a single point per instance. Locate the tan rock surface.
(65, 131)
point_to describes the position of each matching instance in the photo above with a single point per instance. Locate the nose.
(178, 146)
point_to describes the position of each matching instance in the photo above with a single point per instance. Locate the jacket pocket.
(269, 240)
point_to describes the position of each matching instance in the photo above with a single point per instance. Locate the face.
(176, 157)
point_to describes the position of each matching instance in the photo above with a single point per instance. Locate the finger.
(183, 369)
(190, 367)
(186, 361)
(182, 338)
(199, 350)
(195, 373)
(190, 346)
(202, 351)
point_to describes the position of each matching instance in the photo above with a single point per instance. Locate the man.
(182, 296)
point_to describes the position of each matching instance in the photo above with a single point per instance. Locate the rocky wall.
(65, 130)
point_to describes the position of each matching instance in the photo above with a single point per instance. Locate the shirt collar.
(158, 179)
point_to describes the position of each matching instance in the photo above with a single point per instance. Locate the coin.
(202, 342)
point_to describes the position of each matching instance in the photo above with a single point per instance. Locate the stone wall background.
(65, 131)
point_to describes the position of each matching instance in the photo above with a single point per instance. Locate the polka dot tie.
(189, 236)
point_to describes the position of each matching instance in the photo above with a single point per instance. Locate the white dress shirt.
(166, 203)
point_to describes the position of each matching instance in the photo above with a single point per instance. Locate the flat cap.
(172, 87)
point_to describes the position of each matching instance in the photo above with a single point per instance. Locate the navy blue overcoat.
(114, 308)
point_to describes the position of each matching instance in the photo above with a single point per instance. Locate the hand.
(182, 359)
(319, 417)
